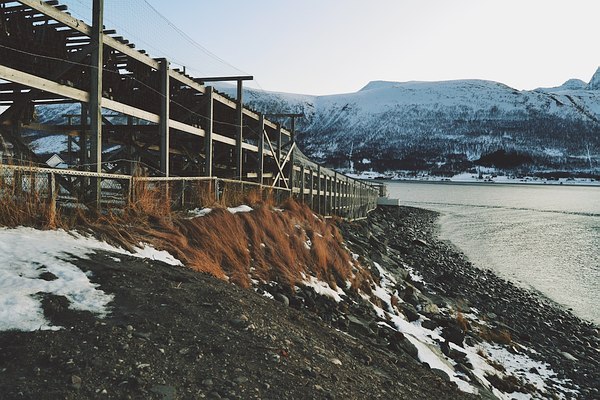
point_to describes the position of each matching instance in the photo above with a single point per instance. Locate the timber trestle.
(136, 116)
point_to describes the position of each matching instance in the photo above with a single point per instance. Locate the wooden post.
(165, 101)
(312, 189)
(279, 142)
(261, 147)
(97, 66)
(319, 189)
(208, 137)
(293, 137)
(52, 193)
(336, 198)
(240, 132)
(328, 192)
(83, 136)
(302, 183)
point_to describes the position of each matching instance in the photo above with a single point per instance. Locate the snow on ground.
(28, 253)
(197, 212)
(323, 288)
(481, 356)
(238, 209)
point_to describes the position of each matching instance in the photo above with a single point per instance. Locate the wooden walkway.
(159, 122)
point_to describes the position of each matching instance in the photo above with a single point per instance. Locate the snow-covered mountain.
(441, 127)
(445, 126)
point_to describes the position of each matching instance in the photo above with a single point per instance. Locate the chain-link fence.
(40, 190)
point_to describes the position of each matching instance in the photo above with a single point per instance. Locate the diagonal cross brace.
(277, 162)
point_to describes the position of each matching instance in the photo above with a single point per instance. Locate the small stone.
(142, 335)
(420, 242)
(335, 361)
(129, 328)
(48, 276)
(240, 379)
(208, 382)
(75, 382)
(240, 321)
(568, 356)
(282, 299)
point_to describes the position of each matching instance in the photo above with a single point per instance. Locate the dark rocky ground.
(177, 334)
(408, 235)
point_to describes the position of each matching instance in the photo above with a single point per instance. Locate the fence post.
(217, 197)
(183, 187)
(53, 194)
(131, 195)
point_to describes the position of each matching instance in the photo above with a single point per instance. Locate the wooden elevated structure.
(137, 113)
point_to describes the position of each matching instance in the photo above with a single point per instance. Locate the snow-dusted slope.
(392, 125)
(442, 126)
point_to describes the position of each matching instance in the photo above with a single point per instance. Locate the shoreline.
(557, 336)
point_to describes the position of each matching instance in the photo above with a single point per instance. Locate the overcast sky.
(338, 46)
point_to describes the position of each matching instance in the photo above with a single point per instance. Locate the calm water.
(543, 237)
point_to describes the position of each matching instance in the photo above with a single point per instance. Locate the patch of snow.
(197, 212)
(323, 288)
(29, 252)
(238, 209)
(147, 251)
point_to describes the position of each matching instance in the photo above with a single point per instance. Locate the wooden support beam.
(279, 142)
(319, 189)
(95, 103)
(261, 147)
(302, 183)
(239, 131)
(163, 126)
(208, 137)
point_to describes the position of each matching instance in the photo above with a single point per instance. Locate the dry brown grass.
(267, 244)
(462, 322)
(22, 203)
(500, 336)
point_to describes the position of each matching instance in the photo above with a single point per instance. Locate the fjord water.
(544, 237)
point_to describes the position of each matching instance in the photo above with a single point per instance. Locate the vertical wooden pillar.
(240, 132)
(261, 148)
(97, 66)
(165, 100)
(208, 138)
(293, 136)
(326, 190)
(302, 182)
(279, 142)
(312, 189)
(83, 136)
(319, 189)
(335, 199)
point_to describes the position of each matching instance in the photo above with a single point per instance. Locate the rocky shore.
(176, 334)
(520, 320)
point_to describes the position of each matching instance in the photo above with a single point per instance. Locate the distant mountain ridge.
(446, 126)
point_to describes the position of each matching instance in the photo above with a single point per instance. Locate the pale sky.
(338, 46)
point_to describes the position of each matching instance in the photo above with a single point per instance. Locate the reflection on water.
(545, 237)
